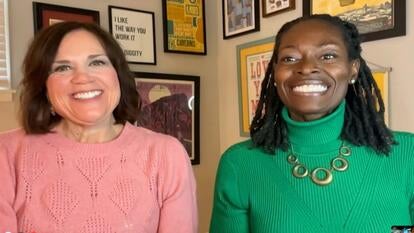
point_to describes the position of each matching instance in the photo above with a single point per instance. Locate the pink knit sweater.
(141, 182)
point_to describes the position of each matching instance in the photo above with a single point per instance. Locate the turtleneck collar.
(318, 135)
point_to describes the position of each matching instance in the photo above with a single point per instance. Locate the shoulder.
(12, 138)
(150, 137)
(244, 152)
(160, 147)
(403, 135)
(404, 139)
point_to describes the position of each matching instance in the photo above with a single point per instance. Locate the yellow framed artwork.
(252, 61)
(381, 77)
(184, 26)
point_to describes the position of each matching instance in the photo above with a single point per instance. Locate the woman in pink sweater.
(79, 165)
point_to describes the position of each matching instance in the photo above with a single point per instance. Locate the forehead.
(313, 30)
(79, 41)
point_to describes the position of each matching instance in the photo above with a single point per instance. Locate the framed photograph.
(252, 62)
(48, 14)
(375, 19)
(171, 105)
(273, 7)
(240, 17)
(184, 26)
(134, 30)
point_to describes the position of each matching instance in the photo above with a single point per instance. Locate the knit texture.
(141, 182)
(256, 192)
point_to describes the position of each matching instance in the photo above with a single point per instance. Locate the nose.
(308, 66)
(81, 76)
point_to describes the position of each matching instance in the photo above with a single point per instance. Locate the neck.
(89, 134)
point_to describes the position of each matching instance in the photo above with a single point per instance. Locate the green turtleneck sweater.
(256, 192)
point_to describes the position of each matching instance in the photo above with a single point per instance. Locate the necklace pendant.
(327, 179)
(299, 171)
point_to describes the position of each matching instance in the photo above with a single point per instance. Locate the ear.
(355, 64)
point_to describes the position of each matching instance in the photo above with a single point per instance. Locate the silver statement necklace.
(320, 175)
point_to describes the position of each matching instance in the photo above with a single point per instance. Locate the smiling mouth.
(87, 94)
(310, 89)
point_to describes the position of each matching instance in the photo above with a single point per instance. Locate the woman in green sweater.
(321, 158)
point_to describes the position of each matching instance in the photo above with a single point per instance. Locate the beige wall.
(218, 71)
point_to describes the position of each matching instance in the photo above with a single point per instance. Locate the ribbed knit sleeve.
(230, 214)
(8, 220)
(410, 152)
(176, 190)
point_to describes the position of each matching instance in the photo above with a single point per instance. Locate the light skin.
(313, 71)
(83, 89)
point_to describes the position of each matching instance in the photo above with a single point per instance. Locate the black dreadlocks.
(364, 114)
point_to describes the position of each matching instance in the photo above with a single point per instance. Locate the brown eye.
(329, 56)
(288, 60)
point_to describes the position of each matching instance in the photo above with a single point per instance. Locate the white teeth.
(87, 94)
(310, 88)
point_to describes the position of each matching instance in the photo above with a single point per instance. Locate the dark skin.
(313, 70)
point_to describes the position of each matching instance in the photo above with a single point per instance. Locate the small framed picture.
(48, 14)
(171, 105)
(240, 17)
(273, 7)
(184, 27)
(134, 30)
(252, 61)
(375, 20)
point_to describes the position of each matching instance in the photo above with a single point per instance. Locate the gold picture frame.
(252, 61)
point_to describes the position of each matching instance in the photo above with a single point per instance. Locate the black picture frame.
(46, 14)
(184, 27)
(135, 31)
(171, 105)
(398, 16)
(240, 20)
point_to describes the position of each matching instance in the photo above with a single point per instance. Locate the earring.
(352, 81)
(52, 111)
(274, 84)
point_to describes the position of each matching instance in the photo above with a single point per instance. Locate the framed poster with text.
(252, 61)
(134, 31)
(184, 26)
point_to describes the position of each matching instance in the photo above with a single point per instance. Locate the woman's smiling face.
(313, 70)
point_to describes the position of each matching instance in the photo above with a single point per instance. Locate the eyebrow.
(92, 56)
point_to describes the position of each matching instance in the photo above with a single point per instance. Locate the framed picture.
(381, 77)
(184, 26)
(48, 14)
(134, 30)
(375, 19)
(252, 62)
(272, 7)
(171, 105)
(240, 17)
